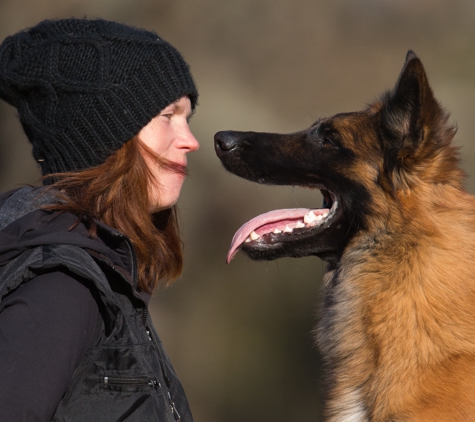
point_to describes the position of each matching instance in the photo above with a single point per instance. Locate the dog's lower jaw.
(331, 257)
(327, 242)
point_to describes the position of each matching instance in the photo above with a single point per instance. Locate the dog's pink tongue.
(270, 219)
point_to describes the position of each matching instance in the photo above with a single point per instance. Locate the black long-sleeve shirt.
(46, 326)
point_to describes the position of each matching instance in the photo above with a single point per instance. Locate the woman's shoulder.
(63, 238)
(5, 195)
(16, 203)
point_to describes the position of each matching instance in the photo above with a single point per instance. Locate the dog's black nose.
(224, 142)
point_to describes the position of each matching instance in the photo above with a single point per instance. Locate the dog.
(397, 231)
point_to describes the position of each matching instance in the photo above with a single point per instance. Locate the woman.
(106, 108)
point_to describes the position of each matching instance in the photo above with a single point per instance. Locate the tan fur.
(407, 318)
(403, 326)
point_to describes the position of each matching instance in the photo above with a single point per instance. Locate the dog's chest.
(349, 409)
(357, 416)
(342, 341)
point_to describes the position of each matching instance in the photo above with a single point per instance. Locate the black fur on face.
(317, 158)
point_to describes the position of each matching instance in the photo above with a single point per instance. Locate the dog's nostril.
(224, 142)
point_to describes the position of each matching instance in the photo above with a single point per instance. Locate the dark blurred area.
(240, 335)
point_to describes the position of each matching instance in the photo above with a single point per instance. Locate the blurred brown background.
(240, 336)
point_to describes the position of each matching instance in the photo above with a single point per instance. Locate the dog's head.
(362, 162)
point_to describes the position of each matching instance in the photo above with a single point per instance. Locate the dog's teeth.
(325, 215)
(309, 218)
(247, 240)
(254, 236)
(288, 229)
(319, 217)
(299, 225)
(277, 231)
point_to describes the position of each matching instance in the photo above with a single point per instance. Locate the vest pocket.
(129, 383)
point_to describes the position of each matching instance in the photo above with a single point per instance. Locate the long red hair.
(117, 194)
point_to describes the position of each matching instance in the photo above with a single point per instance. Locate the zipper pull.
(174, 409)
(148, 333)
(155, 383)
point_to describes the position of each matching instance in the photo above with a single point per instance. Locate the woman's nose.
(190, 142)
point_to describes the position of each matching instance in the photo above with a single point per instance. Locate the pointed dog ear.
(408, 107)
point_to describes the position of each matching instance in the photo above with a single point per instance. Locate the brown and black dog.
(397, 229)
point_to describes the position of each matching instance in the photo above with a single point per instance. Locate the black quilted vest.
(126, 375)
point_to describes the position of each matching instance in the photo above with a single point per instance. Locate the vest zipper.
(133, 275)
(173, 408)
(139, 381)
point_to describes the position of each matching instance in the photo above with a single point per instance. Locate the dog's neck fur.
(391, 289)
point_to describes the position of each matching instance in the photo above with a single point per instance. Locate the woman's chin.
(161, 206)
(166, 196)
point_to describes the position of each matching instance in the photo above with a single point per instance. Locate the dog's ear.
(414, 129)
(408, 108)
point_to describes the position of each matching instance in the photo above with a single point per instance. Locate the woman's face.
(169, 136)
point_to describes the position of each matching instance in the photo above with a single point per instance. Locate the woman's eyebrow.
(178, 108)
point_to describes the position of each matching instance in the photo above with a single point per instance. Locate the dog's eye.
(327, 142)
(328, 137)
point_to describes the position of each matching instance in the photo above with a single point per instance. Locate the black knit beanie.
(85, 87)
